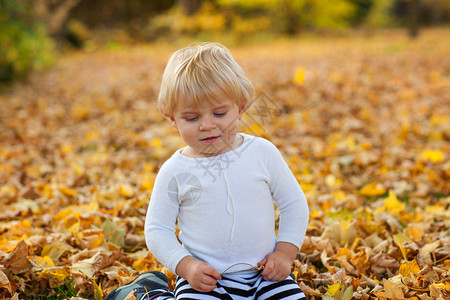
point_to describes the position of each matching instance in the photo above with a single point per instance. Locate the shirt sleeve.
(289, 198)
(160, 223)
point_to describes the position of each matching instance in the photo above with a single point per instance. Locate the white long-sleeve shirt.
(224, 207)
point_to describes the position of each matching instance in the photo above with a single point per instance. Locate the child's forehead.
(192, 103)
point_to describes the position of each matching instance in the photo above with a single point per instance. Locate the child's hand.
(277, 265)
(200, 276)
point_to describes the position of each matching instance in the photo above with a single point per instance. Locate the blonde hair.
(203, 72)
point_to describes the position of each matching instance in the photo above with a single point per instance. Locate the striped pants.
(237, 286)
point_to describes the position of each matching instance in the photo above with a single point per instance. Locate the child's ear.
(242, 107)
(173, 122)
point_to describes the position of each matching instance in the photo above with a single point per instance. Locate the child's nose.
(207, 123)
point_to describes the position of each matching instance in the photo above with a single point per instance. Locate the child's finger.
(205, 288)
(263, 262)
(213, 273)
(209, 280)
(268, 268)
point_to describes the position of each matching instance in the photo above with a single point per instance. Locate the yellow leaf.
(92, 206)
(344, 252)
(90, 241)
(156, 143)
(98, 294)
(148, 180)
(296, 275)
(414, 232)
(171, 276)
(435, 76)
(299, 76)
(407, 94)
(392, 204)
(139, 264)
(20, 229)
(93, 135)
(400, 239)
(46, 191)
(373, 189)
(392, 290)
(336, 77)
(66, 149)
(439, 285)
(57, 275)
(434, 156)
(67, 191)
(44, 261)
(334, 288)
(9, 191)
(53, 250)
(78, 169)
(6, 245)
(256, 129)
(434, 209)
(126, 190)
(61, 215)
(80, 110)
(438, 120)
(332, 181)
(408, 267)
(75, 228)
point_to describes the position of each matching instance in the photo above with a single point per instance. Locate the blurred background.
(360, 92)
(32, 33)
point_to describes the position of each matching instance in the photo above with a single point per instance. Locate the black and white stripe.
(239, 286)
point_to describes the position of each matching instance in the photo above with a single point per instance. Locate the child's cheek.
(230, 131)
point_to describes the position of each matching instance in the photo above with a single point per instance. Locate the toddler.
(220, 189)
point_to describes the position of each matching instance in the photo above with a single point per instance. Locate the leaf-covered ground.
(363, 122)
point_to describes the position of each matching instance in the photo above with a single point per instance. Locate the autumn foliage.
(363, 123)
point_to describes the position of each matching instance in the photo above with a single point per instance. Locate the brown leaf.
(17, 261)
(81, 144)
(309, 291)
(4, 282)
(392, 290)
(130, 296)
(384, 260)
(102, 261)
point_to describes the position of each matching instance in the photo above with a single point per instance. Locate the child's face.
(208, 128)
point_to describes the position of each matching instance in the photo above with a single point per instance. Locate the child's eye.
(191, 119)
(220, 114)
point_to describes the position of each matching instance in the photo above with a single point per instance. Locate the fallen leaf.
(400, 240)
(373, 189)
(334, 289)
(392, 290)
(383, 260)
(411, 266)
(4, 282)
(414, 232)
(113, 234)
(434, 156)
(17, 261)
(299, 77)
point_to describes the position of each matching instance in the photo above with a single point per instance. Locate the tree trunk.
(54, 13)
(437, 12)
(414, 6)
(190, 7)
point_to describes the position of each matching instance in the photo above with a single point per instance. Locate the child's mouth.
(210, 140)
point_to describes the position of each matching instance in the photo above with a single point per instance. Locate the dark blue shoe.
(142, 285)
